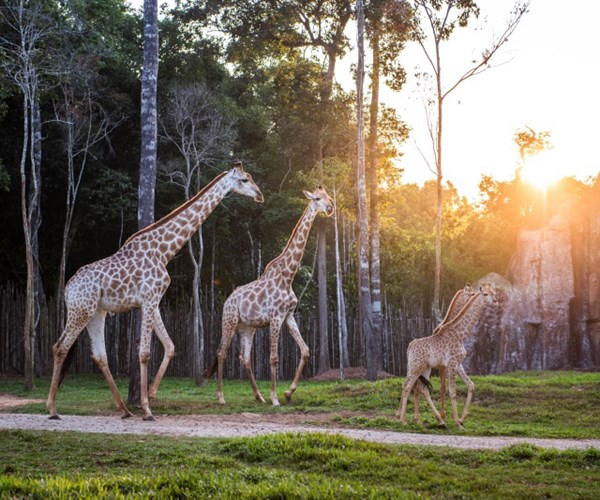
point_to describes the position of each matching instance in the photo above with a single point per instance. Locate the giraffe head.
(489, 293)
(468, 289)
(322, 200)
(243, 183)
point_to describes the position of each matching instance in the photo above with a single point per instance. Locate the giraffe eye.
(244, 180)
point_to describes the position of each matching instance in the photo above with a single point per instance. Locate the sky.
(547, 78)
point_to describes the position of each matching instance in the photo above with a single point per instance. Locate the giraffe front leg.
(452, 391)
(438, 417)
(169, 348)
(304, 354)
(443, 390)
(470, 390)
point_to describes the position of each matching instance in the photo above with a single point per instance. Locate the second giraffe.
(270, 300)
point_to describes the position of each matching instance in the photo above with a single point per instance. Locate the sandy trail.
(253, 424)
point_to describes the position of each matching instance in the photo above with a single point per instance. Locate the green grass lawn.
(534, 404)
(71, 465)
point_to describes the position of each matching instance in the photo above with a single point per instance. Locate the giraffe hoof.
(443, 425)
(53, 417)
(149, 418)
(288, 395)
(127, 415)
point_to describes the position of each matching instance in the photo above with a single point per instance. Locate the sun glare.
(543, 169)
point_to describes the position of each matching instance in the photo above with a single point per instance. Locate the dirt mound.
(9, 401)
(353, 372)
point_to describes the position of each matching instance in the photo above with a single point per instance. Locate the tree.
(366, 312)
(147, 182)
(387, 28)
(84, 123)
(440, 18)
(201, 135)
(308, 24)
(26, 62)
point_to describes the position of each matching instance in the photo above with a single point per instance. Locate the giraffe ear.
(308, 194)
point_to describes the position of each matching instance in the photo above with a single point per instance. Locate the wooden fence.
(401, 325)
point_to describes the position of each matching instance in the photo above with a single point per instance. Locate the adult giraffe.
(136, 277)
(270, 300)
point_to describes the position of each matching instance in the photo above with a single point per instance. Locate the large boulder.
(549, 302)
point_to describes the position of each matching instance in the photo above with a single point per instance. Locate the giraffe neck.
(168, 235)
(288, 262)
(464, 322)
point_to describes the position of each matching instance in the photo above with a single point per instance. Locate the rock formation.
(549, 312)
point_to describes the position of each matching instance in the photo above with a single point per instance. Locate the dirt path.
(255, 424)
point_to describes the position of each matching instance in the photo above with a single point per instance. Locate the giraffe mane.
(177, 210)
(452, 302)
(461, 313)
(289, 242)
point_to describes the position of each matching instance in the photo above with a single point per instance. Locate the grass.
(533, 404)
(69, 465)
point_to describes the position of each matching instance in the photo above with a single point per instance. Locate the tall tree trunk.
(324, 363)
(437, 308)
(28, 320)
(36, 220)
(197, 323)
(341, 305)
(147, 182)
(362, 222)
(373, 208)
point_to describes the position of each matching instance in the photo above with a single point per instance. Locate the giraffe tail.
(211, 371)
(425, 382)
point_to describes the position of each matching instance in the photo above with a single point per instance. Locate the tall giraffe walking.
(270, 300)
(136, 277)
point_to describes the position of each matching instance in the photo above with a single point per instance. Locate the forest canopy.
(254, 89)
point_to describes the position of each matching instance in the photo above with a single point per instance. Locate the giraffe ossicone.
(270, 301)
(136, 277)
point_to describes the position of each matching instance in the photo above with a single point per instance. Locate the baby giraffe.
(445, 349)
(270, 300)
(456, 304)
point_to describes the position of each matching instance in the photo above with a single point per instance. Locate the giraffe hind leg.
(247, 337)
(76, 322)
(229, 321)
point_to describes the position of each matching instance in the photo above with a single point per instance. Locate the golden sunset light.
(543, 169)
(223, 218)
(540, 80)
